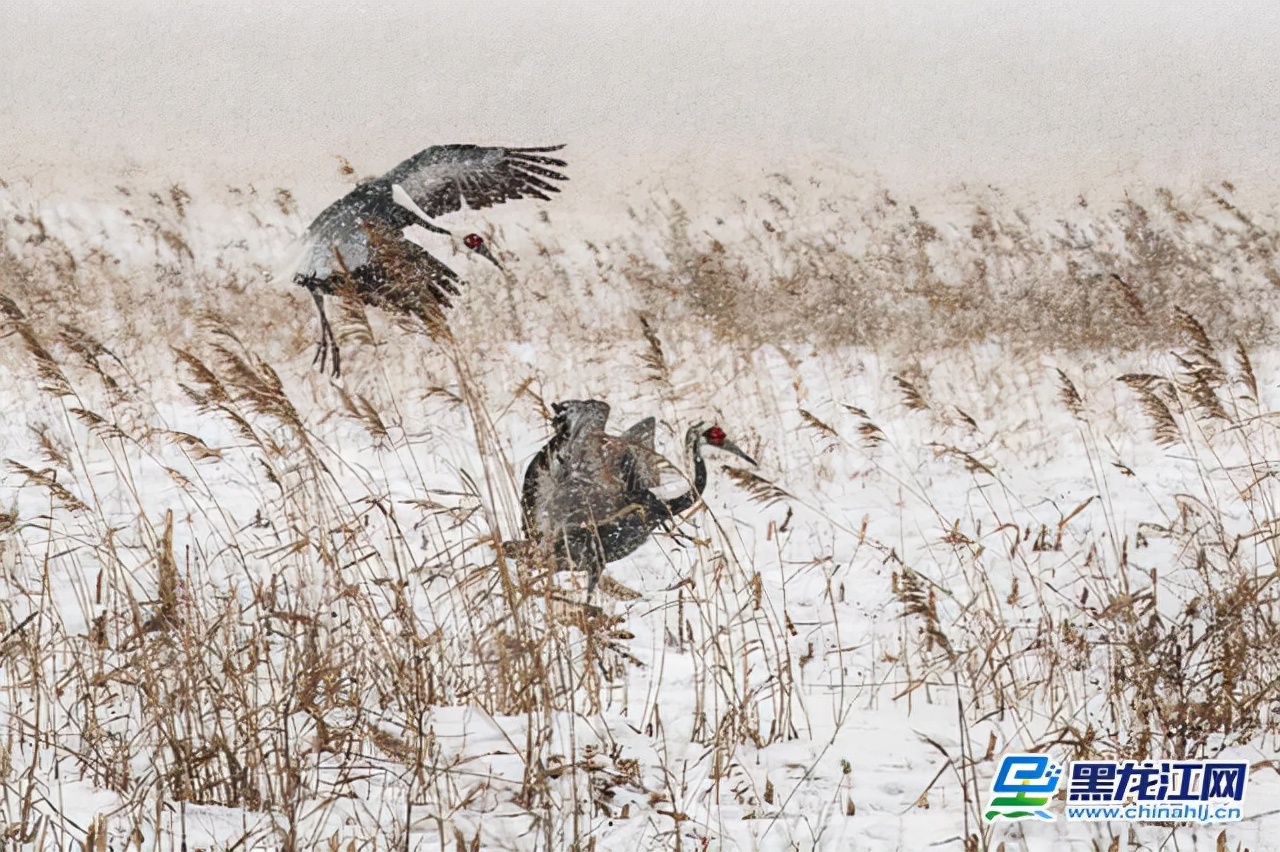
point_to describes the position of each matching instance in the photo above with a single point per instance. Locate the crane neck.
(685, 501)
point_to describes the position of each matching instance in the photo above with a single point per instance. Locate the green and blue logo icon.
(1022, 788)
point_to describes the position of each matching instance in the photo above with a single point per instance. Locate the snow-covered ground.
(246, 606)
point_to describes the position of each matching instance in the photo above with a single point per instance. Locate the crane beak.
(484, 252)
(737, 451)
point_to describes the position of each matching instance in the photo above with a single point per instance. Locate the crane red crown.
(473, 241)
(715, 436)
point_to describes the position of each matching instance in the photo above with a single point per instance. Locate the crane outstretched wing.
(441, 178)
(642, 433)
(640, 463)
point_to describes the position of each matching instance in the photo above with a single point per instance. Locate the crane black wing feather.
(439, 179)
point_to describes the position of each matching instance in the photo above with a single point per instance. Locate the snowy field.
(1017, 490)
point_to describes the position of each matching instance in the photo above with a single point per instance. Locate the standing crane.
(587, 494)
(357, 245)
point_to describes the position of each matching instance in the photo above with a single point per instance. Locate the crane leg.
(328, 343)
(593, 562)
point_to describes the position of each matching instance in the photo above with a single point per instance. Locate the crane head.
(476, 243)
(715, 437)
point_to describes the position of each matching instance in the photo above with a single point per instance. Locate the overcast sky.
(965, 90)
